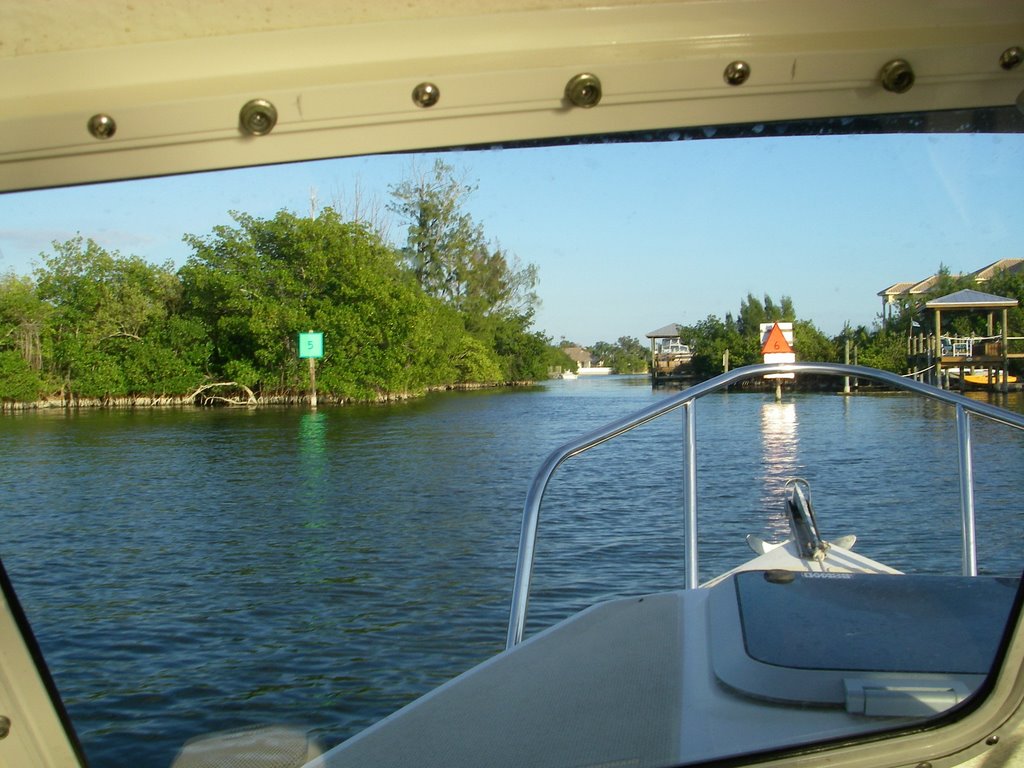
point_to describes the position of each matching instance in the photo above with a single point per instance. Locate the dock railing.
(686, 401)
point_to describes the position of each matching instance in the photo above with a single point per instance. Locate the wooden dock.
(671, 357)
(943, 361)
(939, 354)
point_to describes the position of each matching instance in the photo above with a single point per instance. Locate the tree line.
(446, 308)
(740, 334)
(882, 346)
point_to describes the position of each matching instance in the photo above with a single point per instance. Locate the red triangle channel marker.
(776, 343)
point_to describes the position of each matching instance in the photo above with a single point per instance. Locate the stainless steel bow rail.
(687, 402)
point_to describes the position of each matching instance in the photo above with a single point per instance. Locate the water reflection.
(313, 438)
(779, 461)
(312, 461)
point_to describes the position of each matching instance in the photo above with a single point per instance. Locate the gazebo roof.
(667, 332)
(968, 299)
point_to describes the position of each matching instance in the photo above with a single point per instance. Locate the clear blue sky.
(626, 237)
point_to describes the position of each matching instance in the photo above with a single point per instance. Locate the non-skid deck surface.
(602, 690)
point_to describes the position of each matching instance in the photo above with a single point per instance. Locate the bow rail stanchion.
(686, 400)
(966, 464)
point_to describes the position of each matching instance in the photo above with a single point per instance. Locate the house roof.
(968, 299)
(927, 284)
(896, 289)
(993, 269)
(578, 354)
(665, 332)
(982, 275)
(913, 289)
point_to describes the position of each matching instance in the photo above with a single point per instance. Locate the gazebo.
(992, 352)
(670, 331)
(670, 357)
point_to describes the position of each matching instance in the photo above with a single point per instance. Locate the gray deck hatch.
(881, 645)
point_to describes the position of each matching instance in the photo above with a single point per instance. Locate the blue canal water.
(188, 571)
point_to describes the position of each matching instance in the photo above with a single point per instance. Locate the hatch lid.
(907, 645)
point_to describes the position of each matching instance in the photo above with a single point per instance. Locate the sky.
(626, 237)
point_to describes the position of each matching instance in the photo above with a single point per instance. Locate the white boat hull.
(627, 682)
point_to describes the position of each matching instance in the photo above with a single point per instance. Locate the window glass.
(258, 561)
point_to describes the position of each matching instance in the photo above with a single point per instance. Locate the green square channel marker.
(311, 345)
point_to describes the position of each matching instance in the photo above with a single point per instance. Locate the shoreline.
(201, 400)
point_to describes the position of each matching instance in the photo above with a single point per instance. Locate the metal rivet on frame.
(426, 95)
(1011, 58)
(737, 73)
(257, 118)
(102, 126)
(583, 90)
(897, 76)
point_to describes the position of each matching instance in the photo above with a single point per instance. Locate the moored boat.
(981, 377)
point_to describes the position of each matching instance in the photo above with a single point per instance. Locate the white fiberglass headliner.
(47, 26)
(341, 76)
